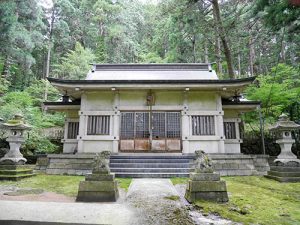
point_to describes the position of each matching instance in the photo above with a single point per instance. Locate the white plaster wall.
(94, 101)
(188, 102)
(168, 98)
(132, 98)
(207, 146)
(70, 146)
(228, 113)
(202, 101)
(232, 147)
(97, 146)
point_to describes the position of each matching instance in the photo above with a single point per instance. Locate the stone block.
(221, 196)
(97, 196)
(284, 179)
(205, 176)
(284, 168)
(284, 174)
(99, 177)
(98, 186)
(206, 186)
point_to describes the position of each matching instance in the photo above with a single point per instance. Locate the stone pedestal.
(98, 188)
(15, 172)
(206, 186)
(100, 185)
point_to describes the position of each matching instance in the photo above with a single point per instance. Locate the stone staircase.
(156, 165)
(151, 166)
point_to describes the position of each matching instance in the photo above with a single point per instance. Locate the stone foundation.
(225, 164)
(15, 172)
(284, 173)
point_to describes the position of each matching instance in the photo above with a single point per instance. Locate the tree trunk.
(194, 48)
(49, 52)
(218, 55)
(205, 52)
(5, 69)
(239, 64)
(223, 37)
(251, 56)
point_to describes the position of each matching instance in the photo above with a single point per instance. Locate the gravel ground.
(153, 202)
(152, 198)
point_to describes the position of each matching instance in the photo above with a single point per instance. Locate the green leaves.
(75, 65)
(277, 91)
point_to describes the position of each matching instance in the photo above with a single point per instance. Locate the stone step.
(284, 179)
(15, 177)
(284, 168)
(284, 174)
(150, 175)
(15, 172)
(149, 165)
(151, 170)
(137, 160)
(151, 157)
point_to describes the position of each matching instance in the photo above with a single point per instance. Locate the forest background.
(60, 39)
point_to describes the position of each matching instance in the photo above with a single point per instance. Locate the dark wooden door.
(157, 131)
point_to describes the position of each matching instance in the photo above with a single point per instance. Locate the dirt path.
(12, 193)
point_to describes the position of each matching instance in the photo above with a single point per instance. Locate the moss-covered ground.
(67, 185)
(256, 200)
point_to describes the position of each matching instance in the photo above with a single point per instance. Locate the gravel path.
(157, 202)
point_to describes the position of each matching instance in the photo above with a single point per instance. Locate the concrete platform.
(23, 212)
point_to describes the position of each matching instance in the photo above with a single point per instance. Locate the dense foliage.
(60, 39)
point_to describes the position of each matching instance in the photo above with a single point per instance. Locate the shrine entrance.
(150, 131)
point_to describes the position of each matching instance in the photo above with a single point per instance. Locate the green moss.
(67, 185)
(257, 200)
(124, 183)
(179, 180)
(172, 197)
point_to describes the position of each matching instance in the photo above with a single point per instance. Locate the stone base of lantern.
(15, 172)
(285, 171)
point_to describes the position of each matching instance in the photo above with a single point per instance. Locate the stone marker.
(287, 166)
(204, 183)
(100, 185)
(12, 163)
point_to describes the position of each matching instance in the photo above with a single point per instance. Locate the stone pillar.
(82, 131)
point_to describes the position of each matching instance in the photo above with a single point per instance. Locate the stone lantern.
(287, 166)
(16, 128)
(12, 164)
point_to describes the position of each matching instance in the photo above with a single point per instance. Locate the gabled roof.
(151, 76)
(152, 72)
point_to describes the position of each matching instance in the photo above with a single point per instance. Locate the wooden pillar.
(185, 124)
(116, 122)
